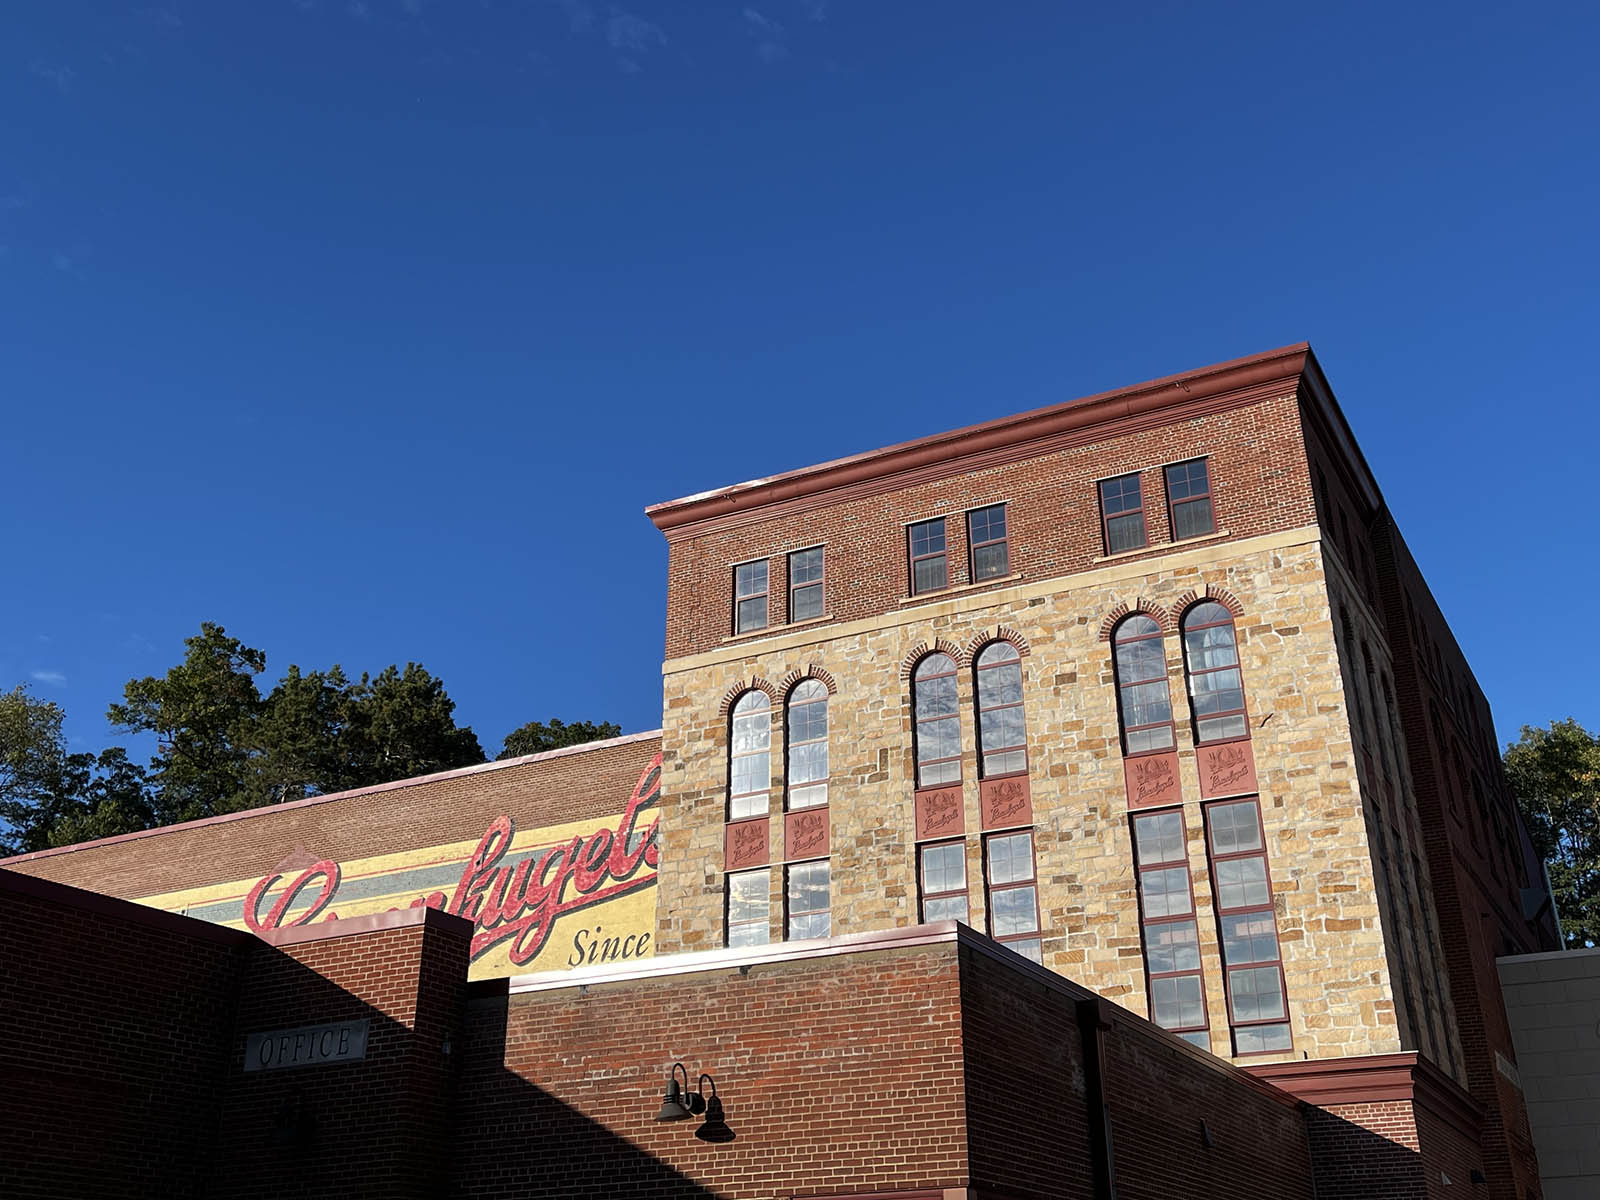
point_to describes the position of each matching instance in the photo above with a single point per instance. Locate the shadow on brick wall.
(1353, 1163)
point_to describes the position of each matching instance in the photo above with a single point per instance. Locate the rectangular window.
(749, 901)
(942, 878)
(986, 540)
(805, 584)
(1189, 499)
(929, 571)
(1171, 936)
(750, 596)
(806, 901)
(1013, 898)
(1122, 513)
(1252, 963)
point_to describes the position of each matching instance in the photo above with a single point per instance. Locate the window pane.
(754, 805)
(752, 614)
(1028, 948)
(936, 697)
(1009, 762)
(1125, 533)
(808, 763)
(935, 774)
(1120, 494)
(1011, 858)
(1192, 518)
(812, 796)
(752, 577)
(752, 732)
(809, 925)
(1242, 883)
(998, 652)
(1166, 891)
(1216, 729)
(1250, 938)
(805, 566)
(757, 933)
(989, 562)
(1000, 685)
(1176, 1003)
(748, 895)
(938, 739)
(1200, 1038)
(1159, 837)
(1257, 994)
(928, 574)
(1218, 692)
(808, 722)
(805, 602)
(1137, 625)
(1187, 479)
(1140, 661)
(752, 773)
(1262, 1039)
(1013, 910)
(1172, 946)
(944, 868)
(1001, 728)
(1142, 740)
(987, 524)
(1146, 704)
(1234, 828)
(945, 908)
(927, 537)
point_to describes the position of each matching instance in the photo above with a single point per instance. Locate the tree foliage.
(1555, 775)
(222, 746)
(538, 736)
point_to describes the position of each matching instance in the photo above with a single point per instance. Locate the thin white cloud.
(54, 678)
(580, 15)
(769, 36)
(630, 32)
(57, 73)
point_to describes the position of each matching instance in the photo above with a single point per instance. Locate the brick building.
(1144, 688)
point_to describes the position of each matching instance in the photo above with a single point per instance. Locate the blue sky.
(369, 328)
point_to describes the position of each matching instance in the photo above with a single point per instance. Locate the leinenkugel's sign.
(540, 899)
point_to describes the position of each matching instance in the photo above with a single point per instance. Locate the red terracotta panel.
(1006, 802)
(1228, 769)
(940, 813)
(745, 844)
(805, 834)
(1152, 779)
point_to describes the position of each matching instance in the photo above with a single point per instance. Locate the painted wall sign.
(541, 899)
(308, 1046)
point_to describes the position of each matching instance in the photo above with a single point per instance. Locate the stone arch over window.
(756, 684)
(936, 719)
(1152, 610)
(805, 745)
(1211, 665)
(1002, 633)
(921, 650)
(1190, 598)
(786, 684)
(1144, 700)
(1002, 727)
(750, 755)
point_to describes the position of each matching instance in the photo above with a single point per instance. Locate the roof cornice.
(1004, 439)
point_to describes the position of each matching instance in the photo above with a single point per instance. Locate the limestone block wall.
(1337, 966)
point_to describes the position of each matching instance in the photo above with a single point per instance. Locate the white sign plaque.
(309, 1046)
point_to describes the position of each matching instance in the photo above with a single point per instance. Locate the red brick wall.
(839, 1075)
(1258, 478)
(115, 1024)
(1366, 1150)
(455, 807)
(379, 1126)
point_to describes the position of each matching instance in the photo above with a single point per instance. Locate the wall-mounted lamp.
(679, 1104)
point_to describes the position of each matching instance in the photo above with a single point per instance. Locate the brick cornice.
(1377, 1079)
(1008, 439)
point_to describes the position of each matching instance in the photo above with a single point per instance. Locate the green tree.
(537, 736)
(303, 737)
(105, 795)
(204, 713)
(402, 723)
(33, 759)
(1555, 775)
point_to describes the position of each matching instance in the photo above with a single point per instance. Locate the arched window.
(805, 726)
(1216, 689)
(938, 721)
(1002, 735)
(750, 762)
(1144, 704)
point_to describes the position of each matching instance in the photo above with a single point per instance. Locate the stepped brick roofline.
(352, 793)
(1157, 401)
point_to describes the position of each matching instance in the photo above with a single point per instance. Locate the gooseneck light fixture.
(679, 1104)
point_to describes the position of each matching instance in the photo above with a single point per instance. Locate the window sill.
(958, 589)
(1152, 546)
(775, 630)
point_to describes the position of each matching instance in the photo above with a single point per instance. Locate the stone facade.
(1341, 994)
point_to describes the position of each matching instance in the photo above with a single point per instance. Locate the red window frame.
(1173, 502)
(1124, 686)
(1036, 934)
(924, 895)
(984, 750)
(974, 544)
(1185, 626)
(1107, 513)
(740, 597)
(942, 554)
(919, 720)
(790, 785)
(765, 921)
(733, 755)
(818, 583)
(1197, 1035)
(790, 912)
(1265, 909)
